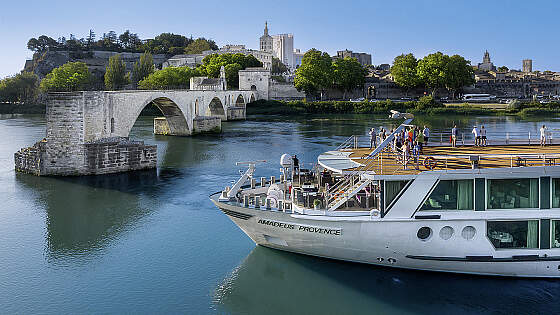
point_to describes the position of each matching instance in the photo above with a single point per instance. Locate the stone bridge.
(87, 132)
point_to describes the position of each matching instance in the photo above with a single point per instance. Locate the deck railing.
(443, 139)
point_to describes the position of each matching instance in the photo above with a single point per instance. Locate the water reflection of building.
(274, 282)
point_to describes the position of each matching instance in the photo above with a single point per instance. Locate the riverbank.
(11, 108)
(423, 106)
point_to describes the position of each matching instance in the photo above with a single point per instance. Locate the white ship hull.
(391, 243)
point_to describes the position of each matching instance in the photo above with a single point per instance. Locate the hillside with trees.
(165, 43)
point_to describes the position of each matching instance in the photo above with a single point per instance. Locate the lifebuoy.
(430, 163)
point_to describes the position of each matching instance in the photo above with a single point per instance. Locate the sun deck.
(390, 162)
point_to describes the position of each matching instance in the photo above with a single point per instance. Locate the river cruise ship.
(486, 210)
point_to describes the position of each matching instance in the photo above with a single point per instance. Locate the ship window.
(513, 193)
(513, 234)
(392, 190)
(556, 193)
(451, 195)
(555, 234)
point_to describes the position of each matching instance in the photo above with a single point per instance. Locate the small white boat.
(492, 210)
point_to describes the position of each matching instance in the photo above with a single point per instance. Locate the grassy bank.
(423, 106)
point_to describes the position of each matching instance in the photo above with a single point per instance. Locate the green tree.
(167, 78)
(503, 69)
(232, 63)
(198, 46)
(315, 73)
(142, 68)
(432, 71)
(162, 43)
(232, 75)
(71, 76)
(21, 88)
(115, 74)
(278, 67)
(459, 73)
(348, 74)
(404, 72)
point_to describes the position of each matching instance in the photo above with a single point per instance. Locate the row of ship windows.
(504, 234)
(522, 193)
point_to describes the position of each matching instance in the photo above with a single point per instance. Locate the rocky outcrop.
(43, 63)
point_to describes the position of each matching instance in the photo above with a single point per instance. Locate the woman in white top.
(543, 135)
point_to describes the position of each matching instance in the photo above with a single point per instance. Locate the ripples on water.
(152, 242)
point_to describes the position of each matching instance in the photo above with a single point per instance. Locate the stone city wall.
(284, 91)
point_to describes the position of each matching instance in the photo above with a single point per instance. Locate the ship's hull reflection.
(275, 282)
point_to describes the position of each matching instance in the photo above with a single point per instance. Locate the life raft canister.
(430, 163)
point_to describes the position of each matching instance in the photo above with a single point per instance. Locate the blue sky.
(510, 30)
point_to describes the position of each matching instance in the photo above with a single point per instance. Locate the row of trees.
(165, 43)
(74, 76)
(435, 71)
(318, 73)
(21, 88)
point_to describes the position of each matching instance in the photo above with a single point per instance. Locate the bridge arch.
(240, 101)
(216, 108)
(175, 117)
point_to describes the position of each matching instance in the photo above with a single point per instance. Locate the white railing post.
(529, 137)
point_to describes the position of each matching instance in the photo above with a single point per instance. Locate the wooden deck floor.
(459, 158)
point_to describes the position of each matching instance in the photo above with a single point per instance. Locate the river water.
(152, 242)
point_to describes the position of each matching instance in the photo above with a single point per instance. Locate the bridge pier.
(87, 132)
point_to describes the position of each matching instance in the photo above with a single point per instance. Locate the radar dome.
(286, 160)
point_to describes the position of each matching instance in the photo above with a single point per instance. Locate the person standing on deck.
(416, 152)
(426, 133)
(482, 136)
(454, 136)
(372, 138)
(295, 164)
(405, 153)
(476, 136)
(419, 141)
(543, 135)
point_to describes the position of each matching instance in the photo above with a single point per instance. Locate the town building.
(282, 47)
(265, 42)
(363, 58)
(298, 57)
(527, 65)
(486, 64)
(210, 84)
(196, 59)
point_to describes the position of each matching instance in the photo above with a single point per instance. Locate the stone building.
(486, 64)
(196, 59)
(298, 57)
(265, 43)
(527, 65)
(282, 47)
(210, 84)
(363, 58)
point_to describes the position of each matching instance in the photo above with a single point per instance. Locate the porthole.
(424, 233)
(446, 232)
(468, 232)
